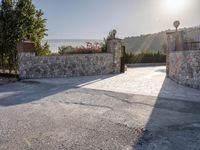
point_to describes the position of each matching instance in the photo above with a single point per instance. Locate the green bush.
(63, 50)
(145, 57)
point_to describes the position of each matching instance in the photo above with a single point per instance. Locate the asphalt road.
(93, 113)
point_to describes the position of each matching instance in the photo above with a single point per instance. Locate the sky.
(93, 19)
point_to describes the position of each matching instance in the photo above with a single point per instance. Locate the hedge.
(145, 57)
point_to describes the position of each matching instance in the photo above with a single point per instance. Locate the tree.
(8, 38)
(20, 20)
(42, 49)
(31, 25)
(1, 40)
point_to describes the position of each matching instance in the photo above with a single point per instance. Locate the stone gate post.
(171, 46)
(25, 49)
(174, 43)
(114, 46)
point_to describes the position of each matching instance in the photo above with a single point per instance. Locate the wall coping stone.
(186, 51)
(71, 65)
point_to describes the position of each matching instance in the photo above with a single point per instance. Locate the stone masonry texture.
(184, 68)
(72, 65)
(114, 46)
(65, 66)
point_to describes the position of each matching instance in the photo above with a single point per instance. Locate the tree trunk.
(2, 63)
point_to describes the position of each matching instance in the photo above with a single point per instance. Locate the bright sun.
(175, 6)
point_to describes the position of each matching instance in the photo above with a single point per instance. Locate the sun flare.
(175, 6)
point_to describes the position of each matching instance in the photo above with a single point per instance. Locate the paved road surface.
(136, 110)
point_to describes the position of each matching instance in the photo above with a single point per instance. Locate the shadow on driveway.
(28, 91)
(174, 124)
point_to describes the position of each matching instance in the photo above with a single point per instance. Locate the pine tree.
(8, 39)
(31, 25)
(20, 20)
(39, 31)
(1, 40)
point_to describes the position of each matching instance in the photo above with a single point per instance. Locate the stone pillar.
(175, 42)
(114, 46)
(25, 49)
(179, 41)
(171, 46)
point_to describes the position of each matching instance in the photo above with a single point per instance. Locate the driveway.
(139, 110)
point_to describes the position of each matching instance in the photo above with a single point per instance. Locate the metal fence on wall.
(192, 39)
(56, 43)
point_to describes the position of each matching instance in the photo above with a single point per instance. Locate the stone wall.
(72, 65)
(65, 66)
(184, 67)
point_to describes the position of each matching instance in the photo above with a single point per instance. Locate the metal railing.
(192, 39)
(56, 43)
(191, 46)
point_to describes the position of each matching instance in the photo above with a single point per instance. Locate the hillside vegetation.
(154, 42)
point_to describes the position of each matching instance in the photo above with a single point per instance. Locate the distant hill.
(152, 42)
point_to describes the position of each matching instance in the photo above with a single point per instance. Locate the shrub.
(65, 50)
(145, 57)
(90, 48)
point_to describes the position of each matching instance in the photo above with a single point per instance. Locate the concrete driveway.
(139, 110)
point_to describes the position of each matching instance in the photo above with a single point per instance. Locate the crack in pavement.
(90, 105)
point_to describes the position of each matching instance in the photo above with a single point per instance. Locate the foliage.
(111, 35)
(145, 56)
(19, 20)
(85, 50)
(31, 25)
(8, 36)
(90, 48)
(65, 50)
(42, 50)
